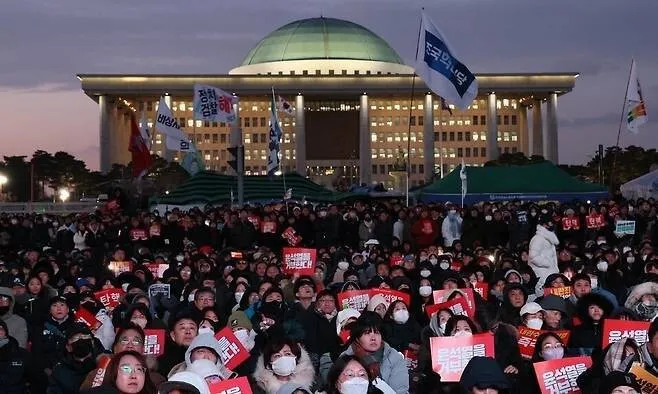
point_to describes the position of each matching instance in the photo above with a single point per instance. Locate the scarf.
(371, 360)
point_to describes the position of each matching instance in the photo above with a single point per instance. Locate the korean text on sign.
(564, 291)
(615, 330)
(300, 260)
(559, 376)
(231, 350)
(110, 298)
(230, 386)
(451, 354)
(154, 342)
(354, 299)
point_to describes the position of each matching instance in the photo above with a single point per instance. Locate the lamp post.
(64, 194)
(3, 180)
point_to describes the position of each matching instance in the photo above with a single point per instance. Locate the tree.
(514, 159)
(45, 172)
(17, 171)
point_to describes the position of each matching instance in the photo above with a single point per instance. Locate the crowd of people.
(224, 269)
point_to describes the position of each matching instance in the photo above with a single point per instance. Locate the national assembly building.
(353, 116)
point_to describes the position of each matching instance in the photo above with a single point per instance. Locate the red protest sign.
(104, 361)
(615, 330)
(451, 354)
(119, 267)
(268, 227)
(154, 342)
(344, 336)
(157, 270)
(432, 309)
(110, 298)
(482, 288)
(354, 299)
(441, 296)
(137, 234)
(231, 350)
(299, 260)
(290, 235)
(528, 339)
(84, 316)
(231, 386)
(559, 376)
(411, 357)
(564, 291)
(570, 223)
(458, 306)
(392, 295)
(595, 221)
(395, 261)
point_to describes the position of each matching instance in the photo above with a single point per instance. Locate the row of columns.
(114, 134)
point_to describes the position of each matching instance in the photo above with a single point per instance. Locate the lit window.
(505, 103)
(286, 138)
(389, 137)
(514, 136)
(247, 154)
(467, 122)
(373, 107)
(373, 122)
(452, 154)
(498, 104)
(389, 153)
(476, 136)
(475, 105)
(373, 137)
(263, 155)
(150, 124)
(460, 122)
(413, 137)
(437, 154)
(159, 153)
(373, 153)
(287, 154)
(389, 107)
(451, 106)
(404, 137)
(499, 136)
(421, 152)
(206, 156)
(199, 123)
(247, 138)
(382, 154)
(397, 137)
(514, 104)
(254, 108)
(396, 107)
(436, 122)
(451, 122)
(181, 106)
(389, 121)
(190, 123)
(483, 136)
(506, 136)
(421, 106)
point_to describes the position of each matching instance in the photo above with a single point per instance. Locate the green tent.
(536, 182)
(211, 188)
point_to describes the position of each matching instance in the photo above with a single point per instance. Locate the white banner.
(168, 125)
(213, 104)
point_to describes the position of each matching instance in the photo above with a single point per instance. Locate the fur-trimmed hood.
(304, 374)
(640, 290)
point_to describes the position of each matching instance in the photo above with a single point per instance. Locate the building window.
(206, 123)
(467, 152)
(483, 120)
(475, 152)
(460, 136)
(514, 136)
(497, 119)
(506, 136)
(460, 152)
(254, 122)
(373, 137)
(420, 121)
(506, 120)
(436, 136)
(222, 138)
(475, 120)
(444, 136)
(382, 153)
(421, 168)
(513, 120)
(254, 138)
(397, 137)
(505, 103)
(452, 136)
(382, 169)
(476, 136)
(467, 136)
(514, 150)
(412, 121)
(483, 152)
(506, 150)
(374, 168)
(483, 136)
(247, 139)
(247, 123)
(413, 168)
(206, 138)
(199, 123)
(263, 138)
(190, 123)
(214, 124)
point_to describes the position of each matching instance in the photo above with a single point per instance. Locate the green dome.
(321, 38)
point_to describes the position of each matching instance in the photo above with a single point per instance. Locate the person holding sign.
(401, 331)
(128, 374)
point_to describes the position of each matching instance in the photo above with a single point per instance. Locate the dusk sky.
(44, 43)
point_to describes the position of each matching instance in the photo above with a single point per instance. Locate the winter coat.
(319, 333)
(399, 336)
(424, 232)
(265, 381)
(34, 309)
(393, 369)
(49, 342)
(451, 229)
(206, 341)
(13, 367)
(542, 256)
(637, 292)
(68, 375)
(15, 324)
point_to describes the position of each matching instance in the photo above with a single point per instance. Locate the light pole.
(64, 194)
(3, 180)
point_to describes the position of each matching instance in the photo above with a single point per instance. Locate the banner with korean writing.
(392, 295)
(290, 235)
(231, 350)
(458, 306)
(625, 227)
(84, 316)
(299, 260)
(138, 234)
(154, 342)
(163, 289)
(231, 386)
(99, 375)
(110, 298)
(564, 291)
(451, 354)
(559, 376)
(482, 288)
(394, 261)
(268, 227)
(353, 299)
(528, 339)
(570, 223)
(615, 330)
(213, 104)
(119, 267)
(157, 270)
(441, 296)
(647, 381)
(595, 221)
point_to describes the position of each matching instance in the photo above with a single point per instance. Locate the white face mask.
(343, 265)
(600, 241)
(535, 323)
(630, 260)
(284, 366)
(442, 327)
(444, 266)
(594, 282)
(401, 316)
(190, 298)
(355, 385)
(488, 218)
(206, 330)
(245, 339)
(463, 334)
(553, 354)
(425, 273)
(602, 266)
(433, 260)
(238, 296)
(140, 321)
(180, 258)
(425, 291)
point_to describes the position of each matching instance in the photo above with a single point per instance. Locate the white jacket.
(542, 256)
(451, 229)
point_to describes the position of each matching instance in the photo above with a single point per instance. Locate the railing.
(49, 207)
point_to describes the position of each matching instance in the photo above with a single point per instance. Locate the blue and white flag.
(438, 66)
(166, 123)
(273, 146)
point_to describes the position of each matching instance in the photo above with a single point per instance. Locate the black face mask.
(82, 348)
(4, 310)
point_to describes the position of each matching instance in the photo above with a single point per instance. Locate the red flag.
(141, 156)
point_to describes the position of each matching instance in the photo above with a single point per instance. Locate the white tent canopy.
(645, 186)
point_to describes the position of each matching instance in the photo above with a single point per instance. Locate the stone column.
(537, 137)
(166, 153)
(492, 128)
(524, 146)
(104, 134)
(428, 138)
(365, 167)
(300, 136)
(551, 123)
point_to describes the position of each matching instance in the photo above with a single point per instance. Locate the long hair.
(536, 356)
(338, 368)
(112, 371)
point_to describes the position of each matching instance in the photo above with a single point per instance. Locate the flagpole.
(413, 91)
(621, 121)
(441, 101)
(278, 155)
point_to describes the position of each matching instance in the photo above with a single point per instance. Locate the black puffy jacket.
(13, 368)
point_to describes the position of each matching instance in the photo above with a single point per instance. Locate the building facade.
(354, 113)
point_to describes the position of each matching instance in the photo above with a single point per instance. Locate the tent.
(211, 188)
(536, 182)
(645, 186)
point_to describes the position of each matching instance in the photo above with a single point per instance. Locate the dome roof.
(321, 38)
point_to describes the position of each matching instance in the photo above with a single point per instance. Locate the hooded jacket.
(542, 256)
(15, 324)
(13, 367)
(636, 294)
(393, 369)
(304, 374)
(207, 341)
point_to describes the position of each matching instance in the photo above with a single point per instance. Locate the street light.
(64, 194)
(3, 180)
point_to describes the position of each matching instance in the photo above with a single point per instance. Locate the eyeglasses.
(128, 369)
(135, 341)
(355, 374)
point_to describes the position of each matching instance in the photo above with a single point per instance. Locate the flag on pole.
(282, 105)
(437, 64)
(445, 106)
(145, 131)
(288, 194)
(141, 156)
(166, 124)
(636, 111)
(464, 178)
(273, 146)
(213, 104)
(192, 162)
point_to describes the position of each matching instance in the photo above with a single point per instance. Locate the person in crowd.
(80, 358)
(182, 331)
(14, 363)
(593, 308)
(555, 312)
(349, 376)
(127, 373)
(542, 254)
(203, 347)
(283, 361)
(402, 331)
(15, 324)
(482, 375)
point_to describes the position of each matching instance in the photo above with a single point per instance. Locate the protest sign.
(594, 221)
(157, 270)
(119, 267)
(647, 381)
(528, 339)
(138, 234)
(353, 299)
(392, 295)
(458, 306)
(394, 261)
(84, 316)
(110, 298)
(231, 386)
(299, 260)
(564, 291)
(451, 354)
(290, 235)
(231, 350)
(268, 227)
(559, 376)
(615, 330)
(625, 227)
(441, 296)
(154, 342)
(482, 288)
(160, 288)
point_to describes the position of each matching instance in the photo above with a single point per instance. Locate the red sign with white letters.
(154, 342)
(528, 339)
(231, 386)
(615, 330)
(231, 350)
(110, 298)
(559, 376)
(299, 260)
(451, 354)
